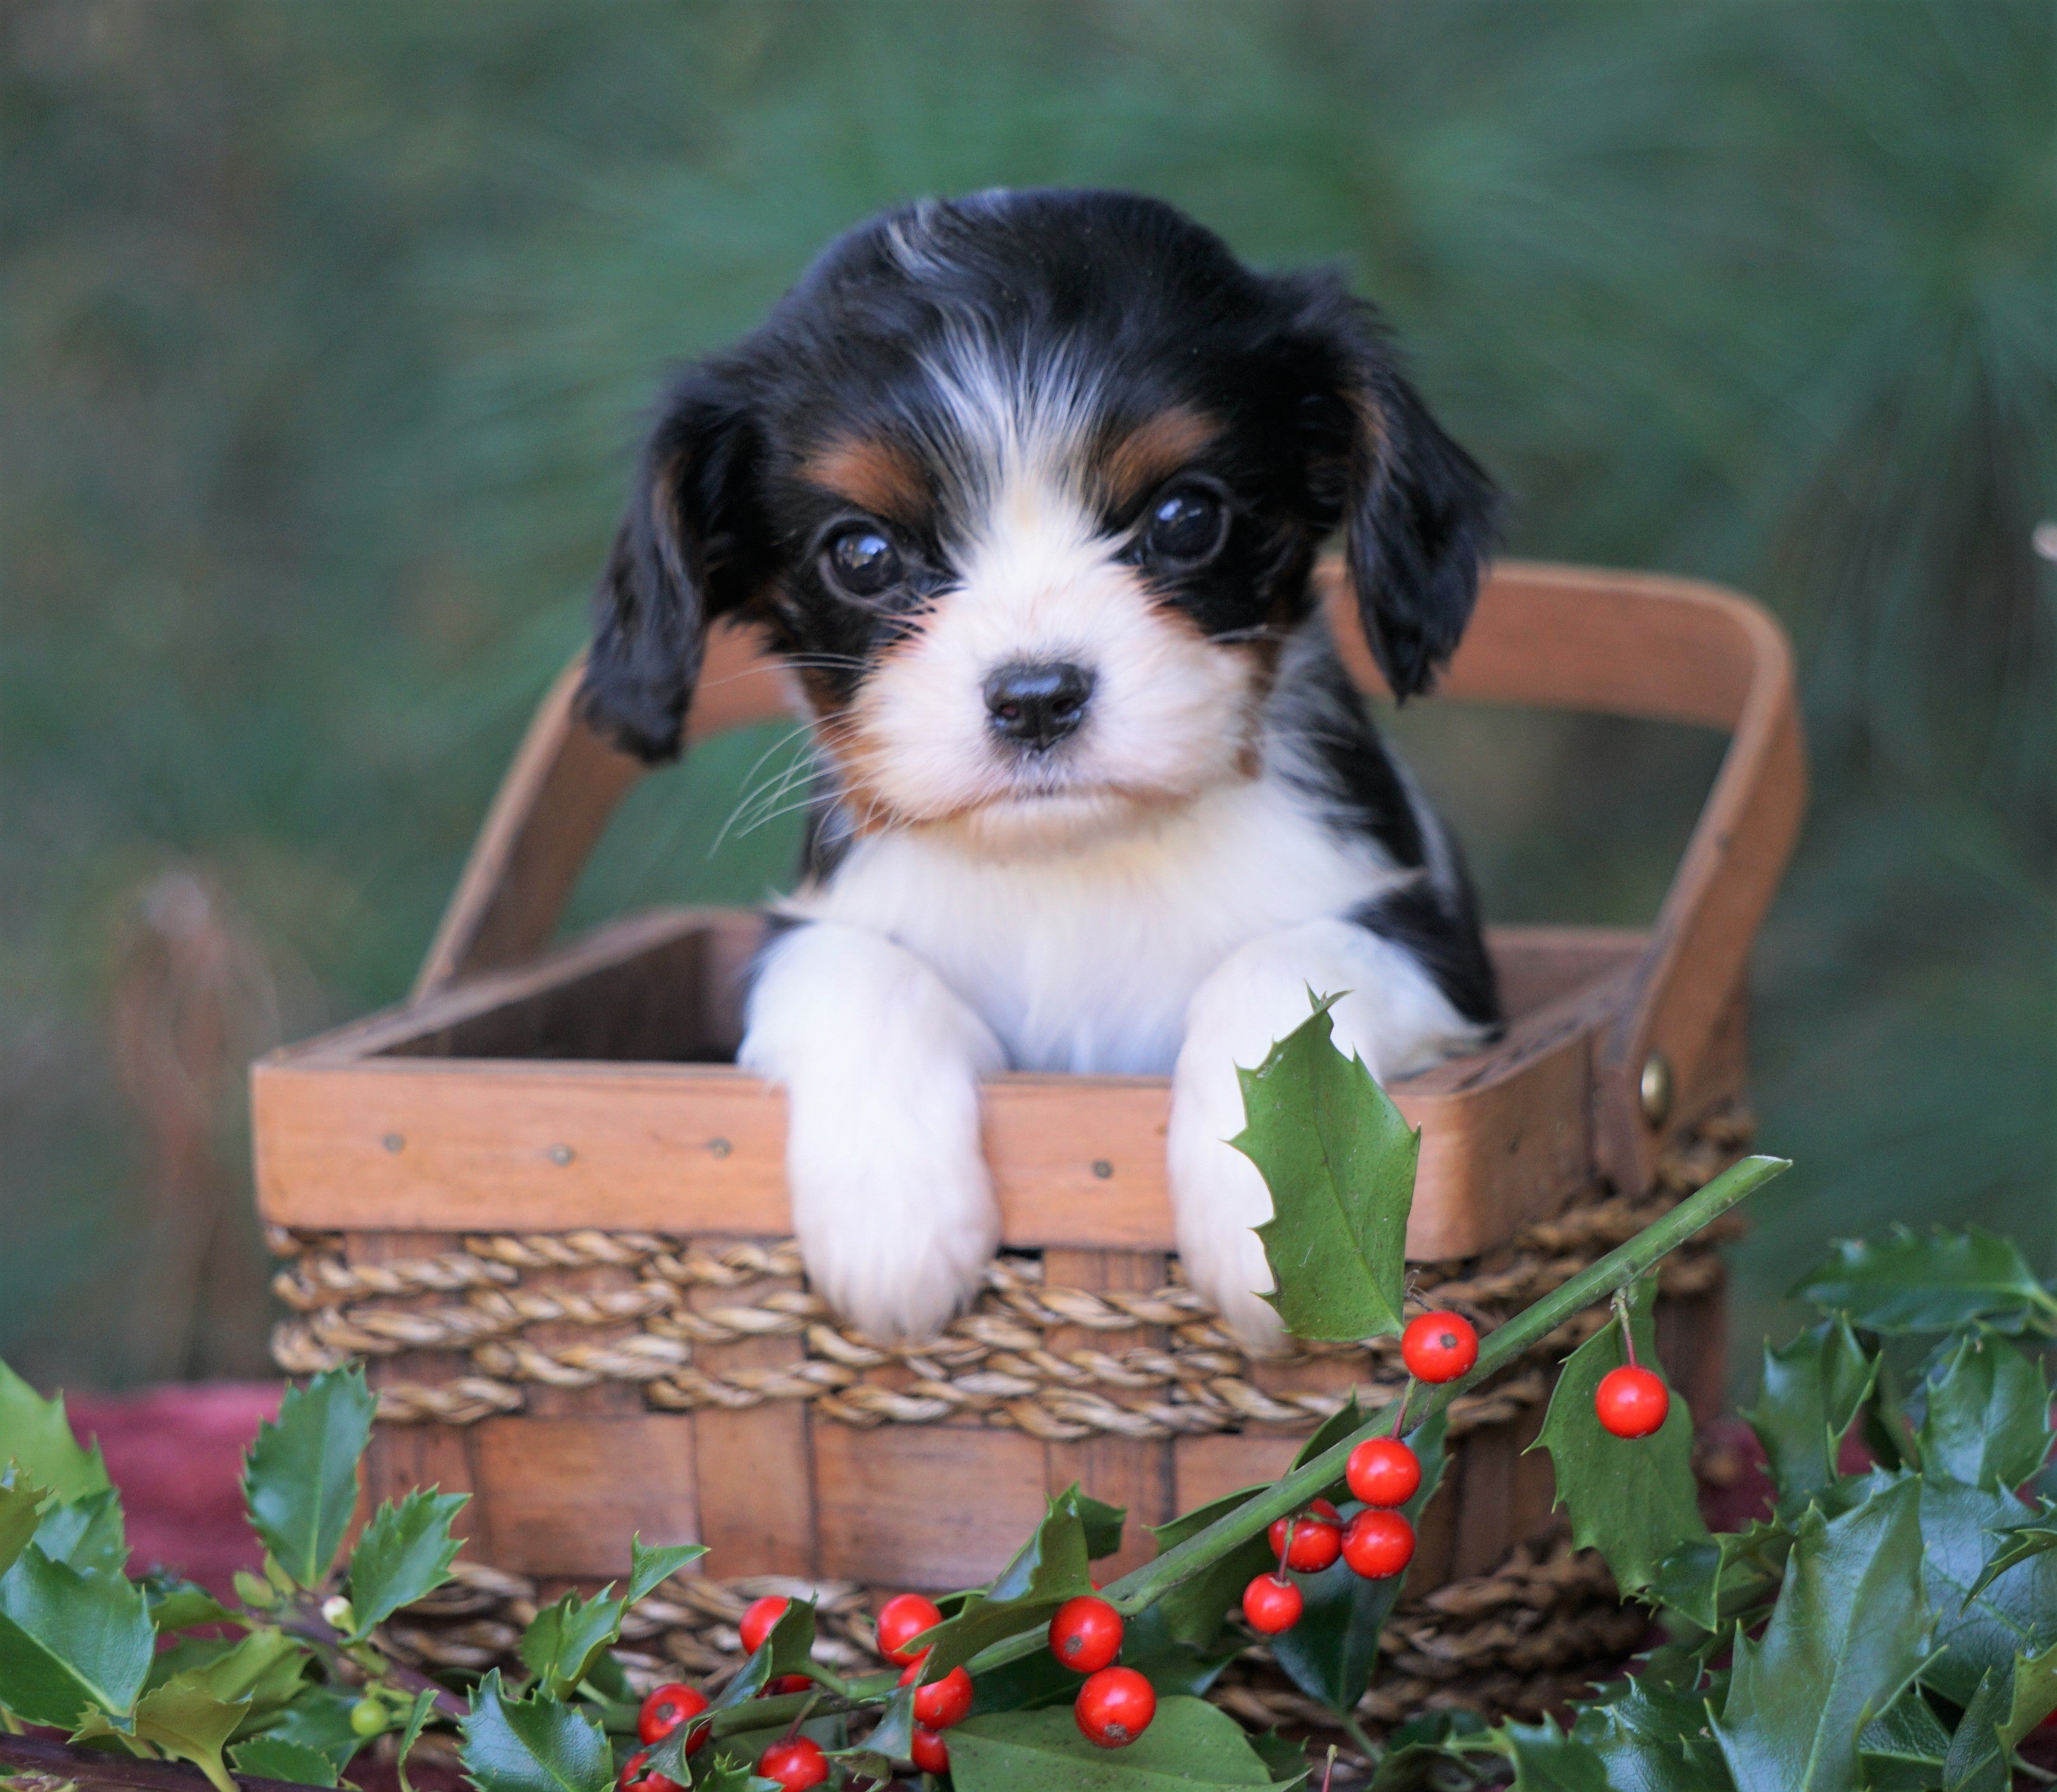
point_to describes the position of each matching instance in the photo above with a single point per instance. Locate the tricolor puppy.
(1026, 487)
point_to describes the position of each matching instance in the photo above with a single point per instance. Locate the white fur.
(892, 1202)
(1393, 1016)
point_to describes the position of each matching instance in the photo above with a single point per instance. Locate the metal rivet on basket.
(1102, 1169)
(393, 1141)
(1654, 1088)
(561, 1154)
(720, 1148)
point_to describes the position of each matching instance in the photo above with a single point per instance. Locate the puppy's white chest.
(1085, 959)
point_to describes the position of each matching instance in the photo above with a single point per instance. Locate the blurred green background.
(324, 331)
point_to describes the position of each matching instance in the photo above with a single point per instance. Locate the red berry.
(1316, 1542)
(634, 1779)
(1114, 1707)
(757, 1622)
(945, 1702)
(931, 1753)
(1383, 1471)
(1439, 1347)
(1271, 1604)
(1378, 1543)
(780, 1684)
(796, 1763)
(901, 1621)
(668, 1707)
(1085, 1635)
(1631, 1402)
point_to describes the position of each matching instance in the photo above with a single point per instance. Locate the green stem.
(1366, 1745)
(1143, 1587)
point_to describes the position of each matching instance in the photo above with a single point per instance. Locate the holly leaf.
(264, 1669)
(651, 1566)
(1339, 1161)
(1189, 1745)
(726, 1773)
(1050, 1569)
(561, 1642)
(88, 1533)
(177, 1604)
(2013, 1611)
(36, 1436)
(1814, 1388)
(186, 1720)
(788, 1648)
(1285, 1757)
(1196, 1608)
(410, 1733)
(1844, 1640)
(1908, 1282)
(1634, 1499)
(300, 1478)
(1103, 1523)
(532, 1745)
(72, 1641)
(1988, 1419)
(1651, 1734)
(2019, 1544)
(1714, 1580)
(274, 1757)
(1902, 1749)
(319, 1720)
(1330, 1653)
(2009, 1702)
(404, 1555)
(21, 1504)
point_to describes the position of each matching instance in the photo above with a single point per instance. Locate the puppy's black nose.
(1038, 704)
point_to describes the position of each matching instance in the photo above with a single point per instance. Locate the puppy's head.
(1026, 487)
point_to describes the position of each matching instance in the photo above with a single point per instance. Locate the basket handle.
(1626, 644)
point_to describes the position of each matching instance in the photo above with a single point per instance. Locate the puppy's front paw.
(892, 1200)
(1219, 1198)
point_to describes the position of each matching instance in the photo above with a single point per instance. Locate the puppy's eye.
(1187, 526)
(862, 562)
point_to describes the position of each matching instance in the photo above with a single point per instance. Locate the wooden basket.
(543, 1204)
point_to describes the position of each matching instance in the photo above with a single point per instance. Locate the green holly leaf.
(72, 1641)
(1651, 1734)
(1902, 1749)
(787, 1648)
(21, 1505)
(1634, 1499)
(36, 1436)
(264, 1670)
(188, 1722)
(1908, 1283)
(2019, 1543)
(177, 1604)
(300, 1476)
(1988, 1419)
(2013, 1611)
(1547, 1760)
(1189, 1745)
(1196, 1608)
(410, 1733)
(1330, 1653)
(404, 1555)
(1285, 1757)
(319, 1720)
(1050, 1569)
(88, 1533)
(1714, 1580)
(651, 1566)
(1103, 1523)
(561, 1644)
(274, 1757)
(726, 1773)
(1339, 1161)
(532, 1745)
(1844, 1640)
(1814, 1388)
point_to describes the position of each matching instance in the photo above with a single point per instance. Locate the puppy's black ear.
(692, 548)
(1419, 512)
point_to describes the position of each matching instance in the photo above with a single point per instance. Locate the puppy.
(1026, 489)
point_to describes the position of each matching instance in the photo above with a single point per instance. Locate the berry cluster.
(1114, 1704)
(1383, 1474)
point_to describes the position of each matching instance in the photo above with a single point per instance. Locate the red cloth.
(176, 1454)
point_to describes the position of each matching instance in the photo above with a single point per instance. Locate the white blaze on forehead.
(1038, 580)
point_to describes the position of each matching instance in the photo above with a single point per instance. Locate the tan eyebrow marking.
(1154, 450)
(873, 474)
